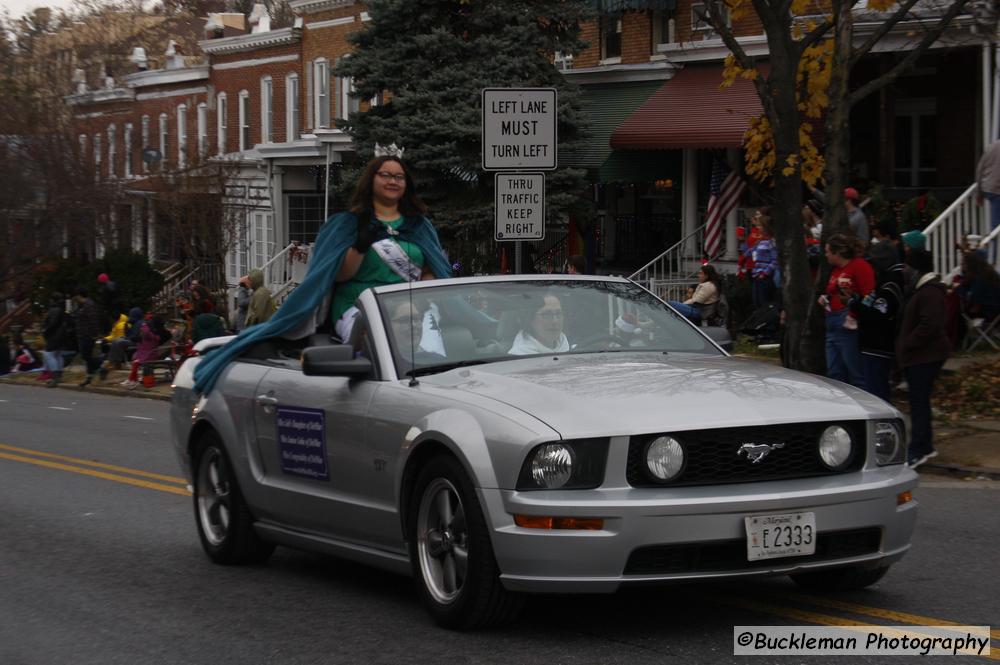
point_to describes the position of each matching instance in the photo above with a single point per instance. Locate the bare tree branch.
(718, 23)
(882, 31)
(911, 57)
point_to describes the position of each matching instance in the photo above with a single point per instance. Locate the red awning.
(689, 111)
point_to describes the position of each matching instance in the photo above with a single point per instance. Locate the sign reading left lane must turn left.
(520, 206)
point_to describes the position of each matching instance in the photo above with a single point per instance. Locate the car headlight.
(889, 442)
(664, 458)
(835, 447)
(577, 464)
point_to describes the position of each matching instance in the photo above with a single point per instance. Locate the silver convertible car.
(501, 436)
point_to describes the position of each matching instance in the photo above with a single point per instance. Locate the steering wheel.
(594, 340)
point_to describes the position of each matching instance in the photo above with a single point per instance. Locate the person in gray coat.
(243, 295)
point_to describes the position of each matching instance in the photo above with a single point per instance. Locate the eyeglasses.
(550, 314)
(398, 177)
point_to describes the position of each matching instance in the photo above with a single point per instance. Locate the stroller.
(763, 324)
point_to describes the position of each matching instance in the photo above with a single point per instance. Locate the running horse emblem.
(755, 452)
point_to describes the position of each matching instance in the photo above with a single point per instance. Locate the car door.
(310, 436)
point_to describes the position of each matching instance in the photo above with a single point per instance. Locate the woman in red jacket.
(851, 274)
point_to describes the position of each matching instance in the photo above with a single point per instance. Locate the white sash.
(398, 260)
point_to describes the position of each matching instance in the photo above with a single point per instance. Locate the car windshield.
(440, 327)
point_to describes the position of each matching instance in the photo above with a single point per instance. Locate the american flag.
(724, 189)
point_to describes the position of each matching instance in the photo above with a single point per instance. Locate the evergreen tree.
(433, 58)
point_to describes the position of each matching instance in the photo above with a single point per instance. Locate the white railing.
(286, 270)
(991, 244)
(964, 216)
(665, 275)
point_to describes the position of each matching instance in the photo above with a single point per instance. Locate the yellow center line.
(825, 619)
(98, 465)
(97, 474)
(891, 615)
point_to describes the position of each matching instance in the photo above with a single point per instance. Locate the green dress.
(372, 272)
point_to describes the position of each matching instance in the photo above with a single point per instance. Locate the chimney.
(260, 19)
(214, 28)
(109, 79)
(139, 59)
(80, 78)
(175, 57)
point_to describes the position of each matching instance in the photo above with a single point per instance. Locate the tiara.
(388, 151)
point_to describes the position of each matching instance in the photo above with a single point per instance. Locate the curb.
(945, 469)
(100, 390)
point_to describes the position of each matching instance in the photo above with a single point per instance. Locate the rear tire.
(456, 573)
(840, 579)
(225, 525)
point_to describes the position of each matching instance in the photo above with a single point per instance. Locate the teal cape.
(335, 238)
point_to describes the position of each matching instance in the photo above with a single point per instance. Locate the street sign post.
(520, 206)
(519, 129)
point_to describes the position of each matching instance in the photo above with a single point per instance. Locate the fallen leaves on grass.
(971, 392)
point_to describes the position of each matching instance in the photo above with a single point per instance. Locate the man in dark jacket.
(921, 349)
(55, 330)
(877, 314)
(88, 328)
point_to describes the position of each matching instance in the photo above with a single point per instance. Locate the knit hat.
(915, 239)
(851, 193)
(103, 278)
(883, 255)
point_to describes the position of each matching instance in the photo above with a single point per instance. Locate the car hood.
(630, 393)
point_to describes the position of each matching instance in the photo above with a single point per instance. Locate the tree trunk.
(838, 137)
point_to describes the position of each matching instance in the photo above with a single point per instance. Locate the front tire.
(225, 525)
(848, 578)
(450, 551)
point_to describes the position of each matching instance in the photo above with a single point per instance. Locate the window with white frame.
(202, 130)
(182, 135)
(700, 19)
(347, 103)
(239, 254)
(97, 157)
(221, 121)
(244, 118)
(164, 129)
(611, 37)
(127, 149)
(321, 93)
(266, 109)
(263, 238)
(291, 107)
(112, 149)
(144, 130)
(664, 27)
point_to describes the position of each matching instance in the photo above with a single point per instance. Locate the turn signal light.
(538, 522)
(903, 497)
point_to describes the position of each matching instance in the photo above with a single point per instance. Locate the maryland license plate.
(775, 536)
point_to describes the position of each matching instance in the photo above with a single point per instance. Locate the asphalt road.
(100, 563)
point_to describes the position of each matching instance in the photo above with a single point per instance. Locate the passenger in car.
(542, 329)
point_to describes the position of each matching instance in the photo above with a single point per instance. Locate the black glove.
(367, 234)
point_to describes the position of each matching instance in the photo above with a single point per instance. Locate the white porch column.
(732, 247)
(151, 230)
(278, 208)
(136, 225)
(689, 200)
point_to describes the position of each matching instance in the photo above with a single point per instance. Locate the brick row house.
(265, 104)
(650, 80)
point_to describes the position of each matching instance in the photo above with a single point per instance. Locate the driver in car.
(408, 332)
(542, 329)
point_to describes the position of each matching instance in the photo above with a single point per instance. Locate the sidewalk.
(73, 376)
(968, 449)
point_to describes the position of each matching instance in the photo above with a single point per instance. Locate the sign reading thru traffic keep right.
(520, 206)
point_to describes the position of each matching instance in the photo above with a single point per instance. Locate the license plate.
(775, 536)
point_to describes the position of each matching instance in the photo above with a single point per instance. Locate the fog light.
(835, 446)
(665, 457)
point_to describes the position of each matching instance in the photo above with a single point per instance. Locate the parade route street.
(100, 563)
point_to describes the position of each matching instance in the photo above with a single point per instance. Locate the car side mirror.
(720, 336)
(334, 360)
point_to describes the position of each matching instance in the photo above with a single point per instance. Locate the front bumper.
(657, 535)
